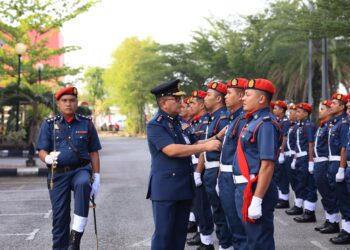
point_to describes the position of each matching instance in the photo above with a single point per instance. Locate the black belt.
(64, 169)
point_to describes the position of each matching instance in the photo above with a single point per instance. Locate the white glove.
(311, 167)
(197, 179)
(292, 165)
(339, 177)
(254, 210)
(95, 185)
(217, 188)
(52, 157)
(281, 158)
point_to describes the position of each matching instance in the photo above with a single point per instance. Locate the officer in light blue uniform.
(201, 206)
(69, 145)
(235, 92)
(321, 154)
(215, 103)
(171, 176)
(253, 165)
(338, 140)
(305, 192)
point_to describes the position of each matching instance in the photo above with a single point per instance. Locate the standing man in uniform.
(279, 111)
(171, 178)
(321, 155)
(305, 192)
(227, 189)
(253, 165)
(201, 205)
(215, 103)
(68, 143)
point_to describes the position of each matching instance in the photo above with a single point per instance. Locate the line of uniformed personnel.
(230, 159)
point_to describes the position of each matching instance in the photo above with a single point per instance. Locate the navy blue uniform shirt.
(291, 137)
(285, 125)
(170, 177)
(304, 135)
(321, 140)
(261, 139)
(80, 131)
(237, 121)
(338, 130)
(218, 120)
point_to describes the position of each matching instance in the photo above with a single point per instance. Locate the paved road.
(123, 213)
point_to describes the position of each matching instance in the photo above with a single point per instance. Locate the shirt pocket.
(81, 140)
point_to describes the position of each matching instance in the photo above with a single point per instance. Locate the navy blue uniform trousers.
(343, 194)
(305, 188)
(323, 179)
(170, 220)
(291, 173)
(222, 231)
(78, 180)
(227, 197)
(260, 233)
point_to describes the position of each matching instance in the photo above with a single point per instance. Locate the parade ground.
(124, 218)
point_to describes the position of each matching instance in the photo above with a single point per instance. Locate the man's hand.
(292, 165)
(254, 210)
(197, 179)
(52, 158)
(311, 167)
(213, 145)
(339, 177)
(281, 158)
(95, 185)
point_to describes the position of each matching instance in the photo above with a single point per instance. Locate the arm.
(265, 176)
(284, 142)
(200, 165)
(180, 150)
(43, 154)
(343, 163)
(311, 151)
(95, 162)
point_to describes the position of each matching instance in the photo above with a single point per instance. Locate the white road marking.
(23, 190)
(318, 244)
(144, 243)
(30, 236)
(281, 221)
(47, 215)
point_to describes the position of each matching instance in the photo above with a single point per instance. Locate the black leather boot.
(307, 216)
(191, 227)
(342, 239)
(325, 224)
(282, 204)
(74, 240)
(206, 247)
(294, 211)
(331, 228)
(195, 240)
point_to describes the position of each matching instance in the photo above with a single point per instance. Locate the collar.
(257, 113)
(74, 117)
(169, 117)
(323, 122)
(215, 113)
(338, 118)
(237, 112)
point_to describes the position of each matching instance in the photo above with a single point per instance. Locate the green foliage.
(16, 137)
(136, 68)
(95, 85)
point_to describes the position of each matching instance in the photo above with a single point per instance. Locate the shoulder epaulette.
(51, 119)
(267, 118)
(159, 118)
(85, 116)
(223, 117)
(344, 121)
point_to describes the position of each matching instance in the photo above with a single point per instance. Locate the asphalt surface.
(124, 219)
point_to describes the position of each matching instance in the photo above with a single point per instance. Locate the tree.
(136, 68)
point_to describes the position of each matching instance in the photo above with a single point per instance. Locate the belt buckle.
(66, 169)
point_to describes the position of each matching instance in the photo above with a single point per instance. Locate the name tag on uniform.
(81, 132)
(186, 139)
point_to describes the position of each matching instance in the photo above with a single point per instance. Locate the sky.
(105, 26)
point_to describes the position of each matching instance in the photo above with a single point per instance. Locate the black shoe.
(332, 228)
(342, 239)
(195, 240)
(282, 204)
(307, 216)
(325, 224)
(191, 227)
(74, 240)
(294, 211)
(205, 247)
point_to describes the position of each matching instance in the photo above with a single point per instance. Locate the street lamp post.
(20, 49)
(39, 67)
